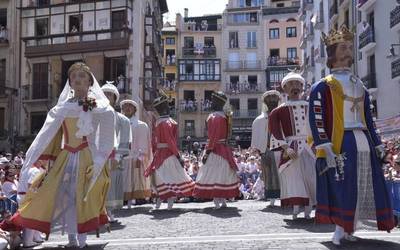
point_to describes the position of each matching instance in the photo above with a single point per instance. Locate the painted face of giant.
(344, 55)
(80, 81)
(293, 89)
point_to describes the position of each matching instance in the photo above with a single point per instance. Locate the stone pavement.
(243, 225)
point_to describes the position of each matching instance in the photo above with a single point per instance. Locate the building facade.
(378, 27)
(243, 61)
(169, 36)
(9, 62)
(282, 40)
(199, 73)
(57, 33)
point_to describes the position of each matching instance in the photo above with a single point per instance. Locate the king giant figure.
(350, 184)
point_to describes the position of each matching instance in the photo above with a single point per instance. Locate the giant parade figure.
(289, 128)
(350, 182)
(78, 136)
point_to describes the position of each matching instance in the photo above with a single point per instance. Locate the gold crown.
(79, 66)
(338, 36)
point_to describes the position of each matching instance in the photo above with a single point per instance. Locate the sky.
(196, 8)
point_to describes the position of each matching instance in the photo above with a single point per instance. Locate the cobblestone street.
(243, 225)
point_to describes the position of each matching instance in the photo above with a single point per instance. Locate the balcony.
(395, 19)
(369, 81)
(3, 37)
(208, 52)
(170, 61)
(168, 86)
(201, 27)
(242, 88)
(302, 14)
(280, 10)
(36, 94)
(245, 113)
(189, 106)
(319, 54)
(364, 5)
(308, 4)
(149, 86)
(319, 23)
(274, 61)
(333, 12)
(310, 33)
(245, 65)
(367, 40)
(396, 70)
(303, 42)
(243, 19)
(78, 42)
(343, 4)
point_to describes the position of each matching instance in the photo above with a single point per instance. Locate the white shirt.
(9, 187)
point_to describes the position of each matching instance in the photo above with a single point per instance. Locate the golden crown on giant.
(337, 36)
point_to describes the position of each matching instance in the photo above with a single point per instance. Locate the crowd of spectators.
(190, 105)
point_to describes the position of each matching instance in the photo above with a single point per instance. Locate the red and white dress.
(170, 178)
(288, 125)
(217, 177)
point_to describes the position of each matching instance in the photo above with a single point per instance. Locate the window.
(252, 80)
(251, 61)
(359, 16)
(115, 70)
(199, 70)
(243, 18)
(189, 128)
(40, 81)
(42, 3)
(188, 95)
(42, 27)
(233, 40)
(291, 32)
(274, 53)
(280, 5)
(207, 94)
(75, 23)
(170, 76)
(188, 41)
(235, 103)
(170, 56)
(170, 40)
(291, 53)
(3, 17)
(37, 121)
(252, 104)
(2, 76)
(118, 21)
(209, 41)
(251, 39)
(323, 74)
(274, 33)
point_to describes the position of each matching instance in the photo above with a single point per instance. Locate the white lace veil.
(94, 92)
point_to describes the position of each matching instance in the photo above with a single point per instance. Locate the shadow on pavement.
(363, 244)
(122, 213)
(308, 225)
(162, 214)
(277, 210)
(227, 212)
(89, 247)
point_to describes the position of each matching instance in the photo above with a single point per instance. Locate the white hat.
(127, 101)
(109, 87)
(271, 92)
(292, 76)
